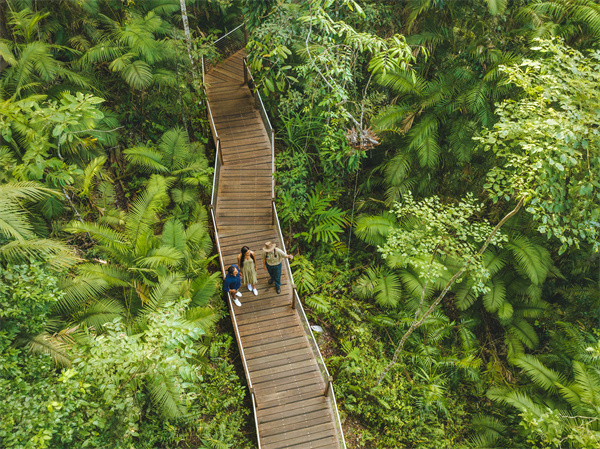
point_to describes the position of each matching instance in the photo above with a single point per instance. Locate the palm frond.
(489, 432)
(92, 170)
(397, 169)
(103, 234)
(524, 331)
(138, 75)
(203, 317)
(541, 375)
(374, 229)
(167, 290)
(532, 260)
(496, 295)
(520, 400)
(174, 234)
(56, 347)
(77, 291)
(184, 197)
(146, 158)
(203, 288)
(381, 283)
(141, 216)
(318, 302)
(588, 383)
(99, 313)
(55, 253)
(165, 256)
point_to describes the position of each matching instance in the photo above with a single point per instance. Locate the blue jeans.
(275, 273)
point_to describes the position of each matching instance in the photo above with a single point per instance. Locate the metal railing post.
(328, 386)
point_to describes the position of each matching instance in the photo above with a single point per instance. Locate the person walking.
(272, 260)
(247, 263)
(232, 283)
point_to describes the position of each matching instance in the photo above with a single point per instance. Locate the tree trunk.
(188, 36)
(3, 33)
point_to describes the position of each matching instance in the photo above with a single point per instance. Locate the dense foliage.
(437, 167)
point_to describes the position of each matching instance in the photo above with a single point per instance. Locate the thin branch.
(442, 295)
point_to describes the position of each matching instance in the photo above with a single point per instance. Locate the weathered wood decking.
(292, 411)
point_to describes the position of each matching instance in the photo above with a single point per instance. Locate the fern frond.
(318, 302)
(165, 396)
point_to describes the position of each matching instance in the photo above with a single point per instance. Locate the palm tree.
(32, 64)
(176, 156)
(562, 399)
(18, 240)
(144, 269)
(442, 102)
(576, 21)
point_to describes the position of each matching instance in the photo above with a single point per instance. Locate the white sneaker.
(237, 302)
(238, 294)
(255, 292)
(249, 287)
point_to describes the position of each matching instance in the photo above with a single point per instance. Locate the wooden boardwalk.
(291, 408)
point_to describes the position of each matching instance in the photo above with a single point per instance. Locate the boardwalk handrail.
(297, 304)
(234, 322)
(295, 297)
(215, 188)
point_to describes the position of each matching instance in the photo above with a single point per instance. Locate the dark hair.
(245, 249)
(230, 270)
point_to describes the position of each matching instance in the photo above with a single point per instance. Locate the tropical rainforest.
(438, 179)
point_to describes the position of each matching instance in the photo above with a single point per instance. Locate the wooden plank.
(321, 443)
(289, 378)
(314, 432)
(275, 410)
(318, 404)
(271, 337)
(280, 359)
(306, 420)
(277, 346)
